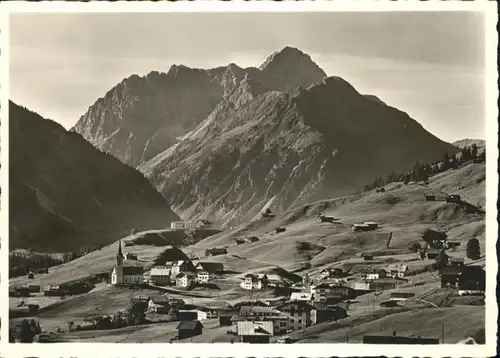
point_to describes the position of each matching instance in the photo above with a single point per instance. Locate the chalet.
(257, 303)
(361, 286)
(360, 227)
(367, 256)
(253, 239)
(53, 290)
(181, 266)
(325, 313)
(397, 270)
(332, 273)
(372, 225)
(185, 279)
(299, 313)
(373, 274)
(159, 305)
(215, 252)
(130, 256)
(188, 329)
(204, 276)
(394, 339)
(457, 262)
(324, 291)
(209, 312)
(301, 296)
(259, 313)
(203, 223)
(251, 282)
(210, 267)
(176, 304)
(280, 229)
(453, 198)
(160, 275)
(254, 331)
(182, 225)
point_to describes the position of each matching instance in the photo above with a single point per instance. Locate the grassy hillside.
(401, 210)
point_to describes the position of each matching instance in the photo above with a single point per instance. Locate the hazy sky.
(430, 65)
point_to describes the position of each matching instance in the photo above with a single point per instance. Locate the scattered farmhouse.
(211, 267)
(181, 266)
(203, 223)
(252, 282)
(260, 313)
(367, 256)
(325, 292)
(300, 314)
(280, 229)
(453, 198)
(203, 276)
(215, 251)
(159, 304)
(302, 296)
(130, 256)
(397, 270)
(160, 275)
(254, 331)
(365, 226)
(182, 225)
(373, 274)
(188, 329)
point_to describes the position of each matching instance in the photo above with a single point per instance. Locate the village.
(185, 289)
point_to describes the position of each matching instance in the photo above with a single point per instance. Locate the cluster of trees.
(24, 331)
(473, 249)
(134, 314)
(422, 172)
(22, 263)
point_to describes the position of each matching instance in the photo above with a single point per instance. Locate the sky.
(428, 64)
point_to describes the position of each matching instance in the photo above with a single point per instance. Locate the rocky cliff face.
(287, 147)
(65, 194)
(142, 116)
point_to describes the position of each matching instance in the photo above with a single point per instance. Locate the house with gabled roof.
(397, 270)
(254, 331)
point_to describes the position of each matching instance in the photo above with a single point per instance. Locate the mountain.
(65, 194)
(281, 148)
(142, 116)
(481, 144)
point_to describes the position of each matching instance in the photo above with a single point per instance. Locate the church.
(126, 274)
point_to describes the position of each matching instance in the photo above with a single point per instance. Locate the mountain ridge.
(65, 194)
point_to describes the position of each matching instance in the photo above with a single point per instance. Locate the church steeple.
(119, 256)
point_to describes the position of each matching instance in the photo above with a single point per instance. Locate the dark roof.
(450, 270)
(133, 270)
(189, 325)
(161, 300)
(211, 266)
(216, 250)
(303, 304)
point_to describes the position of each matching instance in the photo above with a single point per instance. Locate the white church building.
(126, 274)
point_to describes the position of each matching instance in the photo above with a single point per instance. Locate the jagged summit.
(288, 54)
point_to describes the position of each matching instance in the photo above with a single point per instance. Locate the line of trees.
(422, 172)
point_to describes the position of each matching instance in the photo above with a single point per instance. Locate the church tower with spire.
(117, 274)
